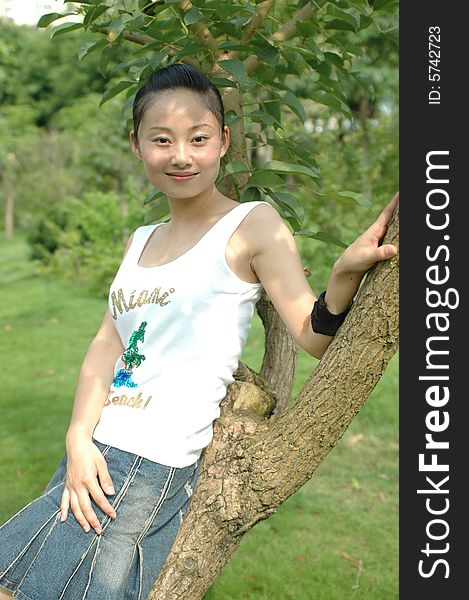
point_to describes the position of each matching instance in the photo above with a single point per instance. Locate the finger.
(104, 477)
(64, 504)
(101, 500)
(386, 251)
(87, 509)
(76, 509)
(385, 216)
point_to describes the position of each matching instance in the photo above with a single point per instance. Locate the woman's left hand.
(365, 251)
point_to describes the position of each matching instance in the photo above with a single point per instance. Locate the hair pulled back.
(177, 75)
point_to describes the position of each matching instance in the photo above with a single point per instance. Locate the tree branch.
(347, 373)
(285, 32)
(200, 29)
(132, 36)
(143, 40)
(281, 353)
(288, 29)
(253, 464)
(232, 100)
(261, 12)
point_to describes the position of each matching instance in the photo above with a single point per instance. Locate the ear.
(225, 140)
(134, 145)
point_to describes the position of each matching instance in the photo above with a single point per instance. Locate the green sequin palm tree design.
(132, 358)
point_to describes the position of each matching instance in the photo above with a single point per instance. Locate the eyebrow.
(191, 128)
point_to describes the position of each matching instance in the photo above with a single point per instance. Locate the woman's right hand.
(87, 474)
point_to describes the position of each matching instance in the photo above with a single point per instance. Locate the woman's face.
(180, 144)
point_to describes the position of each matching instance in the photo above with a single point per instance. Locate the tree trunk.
(280, 356)
(255, 462)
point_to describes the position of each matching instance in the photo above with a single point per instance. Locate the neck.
(185, 211)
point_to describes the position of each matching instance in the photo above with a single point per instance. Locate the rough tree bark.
(255, 462)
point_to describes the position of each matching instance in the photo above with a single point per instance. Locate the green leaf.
(365, 21)
(379, 4)
(282, 167)
(117, 89)
(360, 5)
(273, 107)
(323, 236)
(49, 18)
(160, 211)
(235, 46)
(345, 194)
(307, 29)
(343, 42)
(251, 195)
(136, 23)
(222, 82)
(315, 50)
(65, 28)
(323, 97)
(189, 49)
(153, 195)
(339, 25)
(104, 59)
(368, 85)
(303, 149)
(292, 102)
(259, 116)
(236, 68)
(118, 25)
(236, 166)
(93, 14)
(192, 16)
(261, 178)
(334, 58)
(289, 205)
(266, 52)
(342, 15)
(139, 62)
(292, 202)
(135, 72)
(231, 117)
(90, 47)
(154, 59)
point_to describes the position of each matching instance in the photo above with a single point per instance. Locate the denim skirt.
(42, 558)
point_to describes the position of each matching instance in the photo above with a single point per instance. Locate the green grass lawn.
(336, 538)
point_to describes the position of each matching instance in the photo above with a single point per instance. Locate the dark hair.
(177, 75)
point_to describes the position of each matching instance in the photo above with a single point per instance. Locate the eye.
(199, 139)
(160, 140)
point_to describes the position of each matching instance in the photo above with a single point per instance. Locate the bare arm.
(87, 472)
(277, 264)
(96, 375)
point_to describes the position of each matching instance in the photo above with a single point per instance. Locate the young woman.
(152, 380)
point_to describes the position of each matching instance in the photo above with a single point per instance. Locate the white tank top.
(183, 326)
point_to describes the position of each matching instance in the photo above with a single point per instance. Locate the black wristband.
(323, 321)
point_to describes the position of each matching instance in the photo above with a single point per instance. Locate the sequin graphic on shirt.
(131, 358)
(155, 296)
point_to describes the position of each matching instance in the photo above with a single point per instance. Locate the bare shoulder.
(264, 228)
(263, 213)
(129, 243)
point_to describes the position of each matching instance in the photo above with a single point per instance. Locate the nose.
(182, 155)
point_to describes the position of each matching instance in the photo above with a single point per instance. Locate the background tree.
(267, 57)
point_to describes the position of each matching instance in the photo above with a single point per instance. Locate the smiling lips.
(182, 175)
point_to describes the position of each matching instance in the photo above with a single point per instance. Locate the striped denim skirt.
(42, 558)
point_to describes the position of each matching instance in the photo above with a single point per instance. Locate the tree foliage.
(275, 62)
(309, 87)
(309, 91)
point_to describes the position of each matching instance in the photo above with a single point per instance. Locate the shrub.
(83, 239)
